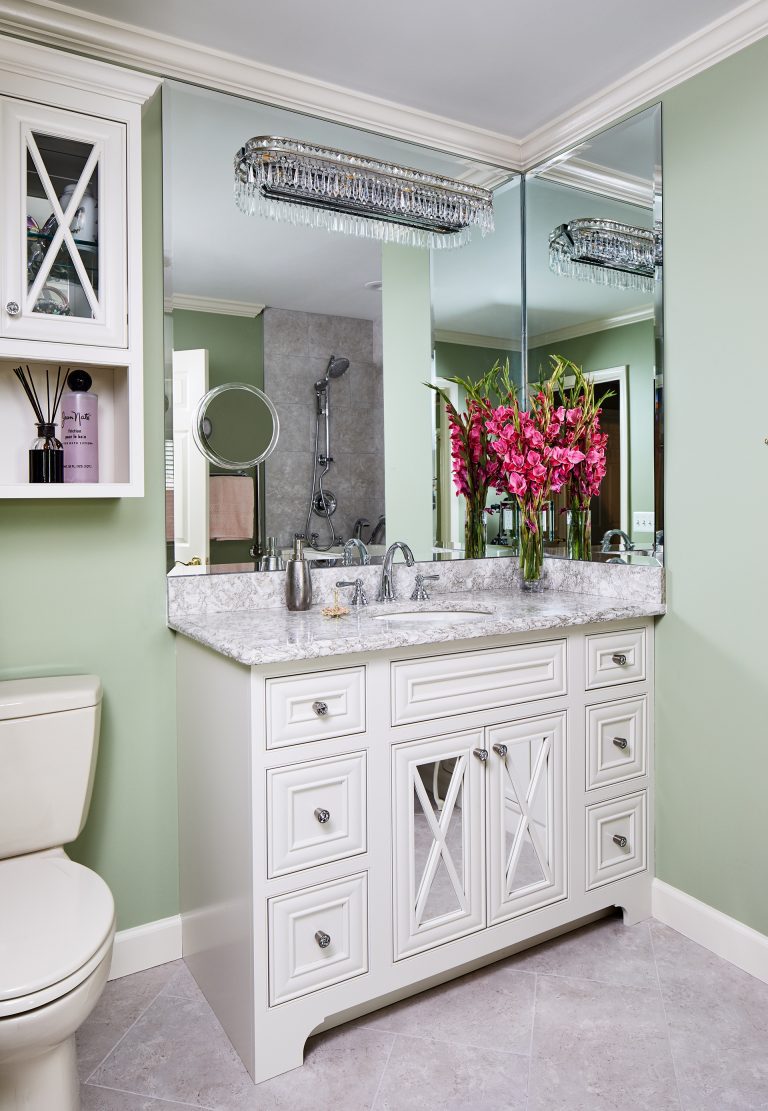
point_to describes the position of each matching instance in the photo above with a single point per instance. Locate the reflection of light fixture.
(607, 253)
(290, 180)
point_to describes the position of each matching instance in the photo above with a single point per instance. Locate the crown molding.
(606, 324)
(713, 43)
(58, 25)
(468, 339)
(188, 302)
(592, 178)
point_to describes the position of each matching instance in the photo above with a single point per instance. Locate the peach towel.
(231, 507)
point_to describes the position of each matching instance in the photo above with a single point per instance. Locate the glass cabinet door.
(526, 815)
(64, 219)
(439, 823)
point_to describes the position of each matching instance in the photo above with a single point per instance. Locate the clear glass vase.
(474, 528)
(46, 456)
(531, 552)
(580, 534)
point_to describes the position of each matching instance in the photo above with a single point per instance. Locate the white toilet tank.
(49, 736)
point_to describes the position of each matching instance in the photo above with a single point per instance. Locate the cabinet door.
(438, 852)
(526, 815)
(64, 226)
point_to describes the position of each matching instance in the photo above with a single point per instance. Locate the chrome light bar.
(607, 252)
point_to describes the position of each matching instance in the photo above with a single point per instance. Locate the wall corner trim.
(724, 936)
(146, 946)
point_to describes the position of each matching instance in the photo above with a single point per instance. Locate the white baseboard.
(146, 946)
(726, 937)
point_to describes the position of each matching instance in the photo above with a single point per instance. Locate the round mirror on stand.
(236, 427)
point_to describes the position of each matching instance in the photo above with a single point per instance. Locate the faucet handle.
(359, 598)
(420, 591)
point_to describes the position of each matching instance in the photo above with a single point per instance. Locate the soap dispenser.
(298, 582)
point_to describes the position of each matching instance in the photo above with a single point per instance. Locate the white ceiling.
(509, 66)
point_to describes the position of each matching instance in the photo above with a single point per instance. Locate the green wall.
(712, 661)
(464, 361)
(631, 345)
(84, 591)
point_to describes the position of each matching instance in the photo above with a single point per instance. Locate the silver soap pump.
(298, 582)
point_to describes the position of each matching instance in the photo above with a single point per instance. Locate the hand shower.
(321, 501)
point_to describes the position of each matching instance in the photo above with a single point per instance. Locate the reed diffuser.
(46, 455)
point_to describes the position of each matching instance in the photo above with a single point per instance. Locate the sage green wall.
(84, 591)
(464, 361)
(631, 345)
(712, 661)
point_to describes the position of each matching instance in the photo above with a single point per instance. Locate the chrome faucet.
(625, 544)
(355, 543)
(386, 593)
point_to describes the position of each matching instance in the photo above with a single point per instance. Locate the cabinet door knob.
(619, 658)
(322, 816)
(620, 841)
(320, 708)
(481, 754)
(13, 308)
(500, 750)
(620, 742)
(323, 939)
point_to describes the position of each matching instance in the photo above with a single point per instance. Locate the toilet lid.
(54, 915)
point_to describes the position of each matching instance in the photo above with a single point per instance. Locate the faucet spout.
(625, 544)
(355, 544)
(386, 590)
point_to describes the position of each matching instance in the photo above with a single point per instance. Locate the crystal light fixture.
(286, 179)
(607, 252)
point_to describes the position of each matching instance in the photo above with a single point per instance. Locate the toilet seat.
(57, 923)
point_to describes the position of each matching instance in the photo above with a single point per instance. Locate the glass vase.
(46, 456)
(580, 534)
(474, 529)
(531, 552)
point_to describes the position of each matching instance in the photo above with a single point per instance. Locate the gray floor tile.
(93, 1098)
(490, 1007)
(600, 1047)
(182, 983)
(606, 950)
(423, 1073)
(122, 1002)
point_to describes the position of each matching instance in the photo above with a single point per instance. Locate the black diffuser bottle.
(46, 456)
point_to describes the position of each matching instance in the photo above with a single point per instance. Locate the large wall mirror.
(341, 334)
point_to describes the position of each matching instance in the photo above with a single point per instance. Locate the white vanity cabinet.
(359, 828)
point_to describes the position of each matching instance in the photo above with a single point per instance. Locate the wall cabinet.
(427, 810)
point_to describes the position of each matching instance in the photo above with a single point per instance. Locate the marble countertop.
(266, 636)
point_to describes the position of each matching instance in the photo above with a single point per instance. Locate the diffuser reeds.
(28, 385)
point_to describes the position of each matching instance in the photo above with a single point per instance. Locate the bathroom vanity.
(373, 806)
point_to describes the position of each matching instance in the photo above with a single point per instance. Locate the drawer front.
(461, 684)
(303, 708)
(316, 812)
(317, 937)
(614, 658)
(616, 839)
(617, 741)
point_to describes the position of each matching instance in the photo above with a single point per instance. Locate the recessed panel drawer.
(614, 658)
(311, 707)
(470, 681)
(617, 741)
(317, 937)
(316, 812)
(616, 839)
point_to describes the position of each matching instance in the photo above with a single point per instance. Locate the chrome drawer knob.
(322, 816)
(481, 754)
(323, 939)
(320, 708)
(619, 659)
(620, 742)
(13, 308)
(500, 750)
(620, 841)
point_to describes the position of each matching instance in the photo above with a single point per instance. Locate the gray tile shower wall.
(297, 347)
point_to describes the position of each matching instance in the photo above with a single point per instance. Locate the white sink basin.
(431, 617)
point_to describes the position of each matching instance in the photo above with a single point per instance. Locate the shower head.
(336, 367)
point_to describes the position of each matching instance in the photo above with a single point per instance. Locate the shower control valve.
(359, 598)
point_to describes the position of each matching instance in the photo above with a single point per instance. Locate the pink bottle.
(80, 429)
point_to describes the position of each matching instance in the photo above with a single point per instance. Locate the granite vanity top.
(266, 636)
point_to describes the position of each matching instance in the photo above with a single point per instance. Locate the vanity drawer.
(303, 708)
(617, 741)
(616, 839)
(315, 812)
(614, 658)
(471, 681)
(317, 937)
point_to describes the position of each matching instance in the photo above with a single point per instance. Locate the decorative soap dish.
(336, 610)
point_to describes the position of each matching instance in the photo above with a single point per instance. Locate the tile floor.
(605, 1019)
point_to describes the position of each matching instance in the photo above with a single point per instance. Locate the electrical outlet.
(643, 521)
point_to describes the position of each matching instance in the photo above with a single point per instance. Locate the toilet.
(57, 918)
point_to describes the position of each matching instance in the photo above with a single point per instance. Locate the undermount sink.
(431, 617)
